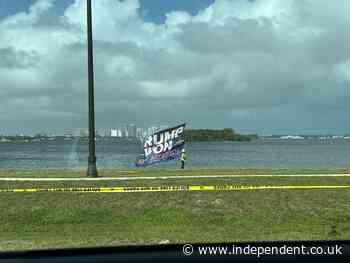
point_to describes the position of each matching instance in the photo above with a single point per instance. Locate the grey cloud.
(236, 35)
(11, 58)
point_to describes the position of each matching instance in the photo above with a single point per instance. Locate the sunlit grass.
(56, 220)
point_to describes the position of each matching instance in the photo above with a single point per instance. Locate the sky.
(263, 66)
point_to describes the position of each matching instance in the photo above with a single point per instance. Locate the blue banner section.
(164, 145)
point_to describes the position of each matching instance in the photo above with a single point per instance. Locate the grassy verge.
(55, 220)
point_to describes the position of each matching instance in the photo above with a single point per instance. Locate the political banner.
(164, 145)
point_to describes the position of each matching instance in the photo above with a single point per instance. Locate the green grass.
(56, 220)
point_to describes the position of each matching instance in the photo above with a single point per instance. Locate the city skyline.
(124, 130)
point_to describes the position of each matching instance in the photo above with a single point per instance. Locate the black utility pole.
(92, 170)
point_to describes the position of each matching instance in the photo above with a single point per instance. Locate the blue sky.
(151, 10)
(156, 9)
(10, 7)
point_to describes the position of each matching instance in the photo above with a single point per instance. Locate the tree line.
(226, 134)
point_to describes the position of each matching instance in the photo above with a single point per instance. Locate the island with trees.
(226, 134)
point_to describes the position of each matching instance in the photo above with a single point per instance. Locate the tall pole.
(92, 169)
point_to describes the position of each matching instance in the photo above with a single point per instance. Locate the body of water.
(262, 153)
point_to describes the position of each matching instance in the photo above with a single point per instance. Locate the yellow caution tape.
(134, 189)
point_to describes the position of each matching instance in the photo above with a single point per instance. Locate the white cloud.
(232, 59)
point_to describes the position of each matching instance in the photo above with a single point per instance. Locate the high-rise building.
(125, 132)
(114, 133)
(144, 132)
(131, 128)
(139, 132)
(107, 133)
(119, 133)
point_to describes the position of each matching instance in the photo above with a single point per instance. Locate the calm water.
(256, 154)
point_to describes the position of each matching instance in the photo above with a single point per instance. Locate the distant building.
(151, 130)
(131, 129)
(107, 133)
(68, 135)
(119, 133)
(139, 132)
(144, 133)
(3, 139)
(124, 131)
(83, 132)
(337, 137)
(114, 133)
(294, 137)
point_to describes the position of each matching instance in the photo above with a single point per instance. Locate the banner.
(162, 145)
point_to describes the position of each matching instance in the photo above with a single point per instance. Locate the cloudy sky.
(263, 66)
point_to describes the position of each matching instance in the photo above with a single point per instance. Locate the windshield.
(154, 122)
